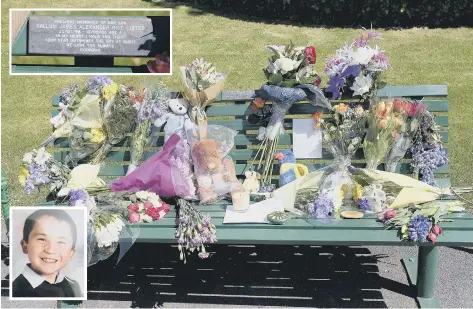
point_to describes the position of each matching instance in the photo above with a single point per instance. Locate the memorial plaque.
(90, 35)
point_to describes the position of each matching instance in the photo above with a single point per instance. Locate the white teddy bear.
(177, 120)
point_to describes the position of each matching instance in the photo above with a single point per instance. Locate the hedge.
(340, 13)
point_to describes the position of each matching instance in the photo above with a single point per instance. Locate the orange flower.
(316, 116)
(258, 103)
(395, 134)
(383, 123)
(341, 108)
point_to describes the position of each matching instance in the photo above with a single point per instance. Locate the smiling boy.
(49, 239)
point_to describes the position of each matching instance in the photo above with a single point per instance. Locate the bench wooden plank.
(240, 140)
(68, 69)
(400, 91)
(295, 237)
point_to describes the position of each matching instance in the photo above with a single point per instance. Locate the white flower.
(361, 85)
(285, 65)
(152, 194)
(107, 235)
(363, 55)
(155, 201)
(142, 195)
(141, 206)
(145, 218)
(28, 158)
(42, 156)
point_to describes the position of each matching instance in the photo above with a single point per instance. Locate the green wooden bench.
(80, 63)
(231, 109)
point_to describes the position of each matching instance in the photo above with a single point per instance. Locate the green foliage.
(382, 13)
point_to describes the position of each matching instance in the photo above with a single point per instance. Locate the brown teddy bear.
(215, 173)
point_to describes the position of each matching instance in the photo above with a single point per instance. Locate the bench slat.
(68, 69)
(273, 236)
(399, 91)
(369, 223)
(240, 140)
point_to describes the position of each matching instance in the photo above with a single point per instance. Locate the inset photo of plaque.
(90, 42)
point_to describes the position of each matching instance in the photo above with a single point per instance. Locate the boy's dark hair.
(59, 214)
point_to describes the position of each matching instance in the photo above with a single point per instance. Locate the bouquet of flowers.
(356, 66)
(78, 107)
(290, 66)
(343, 133)
(194, 230)
(115, 117)
(202, 83)
(150, 105)
(411, 111)
(384, 126)
(40, 169)
(427, 150)
(146, 207)
(374, 191)
(419, 223)
(291, 78)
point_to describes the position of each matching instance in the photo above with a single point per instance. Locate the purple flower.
(363, 204)
(418, 228)
(427, 158)
(95, 84)
(335, 83)
(322, 207)
(77, 195)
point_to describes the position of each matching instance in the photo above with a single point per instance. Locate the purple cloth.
(154, 175)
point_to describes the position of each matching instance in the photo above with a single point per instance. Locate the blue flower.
(323, 207)
(418, 228)
(363, 204)
(77, 195)
(95, 84)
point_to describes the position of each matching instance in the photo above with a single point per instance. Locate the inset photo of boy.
(48, 253)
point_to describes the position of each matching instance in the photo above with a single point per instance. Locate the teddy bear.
(215, 173)
(251, 182)
(176, 120)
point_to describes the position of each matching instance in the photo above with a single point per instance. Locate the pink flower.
(161, 64)
(311, 54)
(317, 82)
(437, 230)
(133, 217)
(279, 156)
(153, 213)
(387, 214)
(133, 208)
(432, 237)
(147, 205)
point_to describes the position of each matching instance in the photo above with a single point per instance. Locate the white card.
(307, 140)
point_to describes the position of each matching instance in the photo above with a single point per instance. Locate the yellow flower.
(342, 194)
(109, 91)
(98, 135)
(357, 192)
(24, 174)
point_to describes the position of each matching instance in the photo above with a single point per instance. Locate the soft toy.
(215, 173)
(289, 170)
(251, 182)
(177, 119)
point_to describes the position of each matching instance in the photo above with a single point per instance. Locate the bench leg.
(422, 273)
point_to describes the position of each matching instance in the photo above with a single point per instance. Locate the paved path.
(248, 277)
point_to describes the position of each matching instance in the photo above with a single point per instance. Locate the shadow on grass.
(151, 275)
(341, 19)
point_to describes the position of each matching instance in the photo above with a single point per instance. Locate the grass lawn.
(418, 56)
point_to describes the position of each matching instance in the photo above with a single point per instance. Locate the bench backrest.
(93, 41)
(231, 109)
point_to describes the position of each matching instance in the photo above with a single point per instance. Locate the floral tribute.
(148, 207)
(356, 66)
(291, 78)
